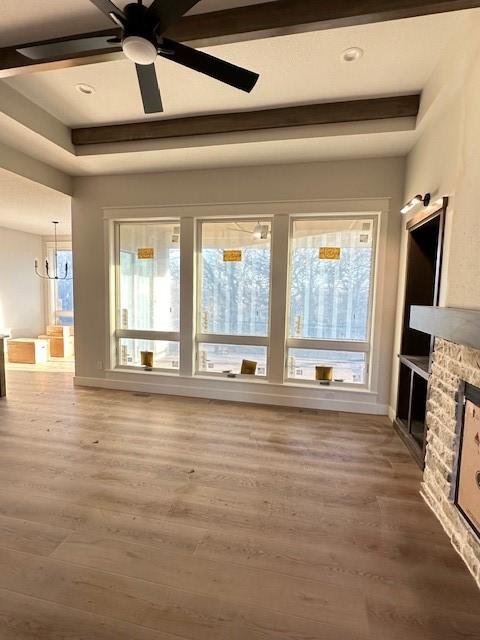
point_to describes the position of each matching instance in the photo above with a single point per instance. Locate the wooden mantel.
(461, 326)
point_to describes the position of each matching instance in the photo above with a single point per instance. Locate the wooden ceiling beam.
(304, 115)
(284, 17)
(252, 22)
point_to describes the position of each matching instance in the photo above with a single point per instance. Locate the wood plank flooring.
(132, 517)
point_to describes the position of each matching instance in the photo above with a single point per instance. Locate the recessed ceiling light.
(86, 89)
(352, 55)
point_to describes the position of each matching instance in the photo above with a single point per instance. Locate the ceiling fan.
(142, 40)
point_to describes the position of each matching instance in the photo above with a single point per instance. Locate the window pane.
(149, 294)
(226, 358)
(61, 291)
(166, 355)
(235, 278)
(331, 267)
(348, 366)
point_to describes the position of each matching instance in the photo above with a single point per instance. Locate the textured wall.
(452, 363)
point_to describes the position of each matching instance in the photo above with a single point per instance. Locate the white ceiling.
(295, 69)
(30, 207)
(400, 56)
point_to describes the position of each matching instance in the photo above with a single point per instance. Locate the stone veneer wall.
(452, 363)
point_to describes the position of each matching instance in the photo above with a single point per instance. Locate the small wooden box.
(27, 351)
(59, 347)
(59, 331)
(249, 367)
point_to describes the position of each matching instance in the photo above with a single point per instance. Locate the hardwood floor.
(132, 517)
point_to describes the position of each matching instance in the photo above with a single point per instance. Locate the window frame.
(356, 346)
(280, 212)
(51, 285)
(135, 334)
(223, 338)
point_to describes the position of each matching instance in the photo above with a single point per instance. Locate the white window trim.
(357, 346)
(360, 346)
(289, 394)
(135, 334)
(49, 293)
(221, 338)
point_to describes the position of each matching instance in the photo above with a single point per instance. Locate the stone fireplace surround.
(452, 364)
(455, 361)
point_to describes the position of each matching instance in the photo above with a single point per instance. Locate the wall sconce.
(411, 204)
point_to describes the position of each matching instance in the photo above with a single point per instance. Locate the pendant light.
(55, 275)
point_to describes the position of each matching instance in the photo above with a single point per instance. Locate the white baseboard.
(350, 401)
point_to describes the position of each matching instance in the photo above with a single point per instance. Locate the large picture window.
(279, 298)
(234, 295)
(148, 293)
(331, 268)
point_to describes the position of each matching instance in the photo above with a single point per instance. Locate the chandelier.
(55, 275)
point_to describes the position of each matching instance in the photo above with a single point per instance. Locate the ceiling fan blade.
(62, 48)
(147, 79)
(209, 65)
(110, 10)
(164, 13)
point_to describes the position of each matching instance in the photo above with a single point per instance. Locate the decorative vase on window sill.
(147, 360)
(324, 375)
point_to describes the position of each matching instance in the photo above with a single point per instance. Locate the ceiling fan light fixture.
(139, 50)
(140, 34)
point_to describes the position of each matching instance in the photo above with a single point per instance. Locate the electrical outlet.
(100, 365)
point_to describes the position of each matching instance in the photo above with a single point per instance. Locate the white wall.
(21, 291)
(361, 179)
(446, 161)
(447, 158)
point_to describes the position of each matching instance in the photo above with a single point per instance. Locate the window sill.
(339, 386)
(257, 380)
(238, 378)
(141, 371)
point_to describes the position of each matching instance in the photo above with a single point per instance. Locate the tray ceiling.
(295, 69)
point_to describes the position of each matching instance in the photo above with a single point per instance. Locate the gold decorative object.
(147, 360)
(324, 374)
(249, 367)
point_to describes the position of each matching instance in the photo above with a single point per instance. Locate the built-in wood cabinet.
(422, 287)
